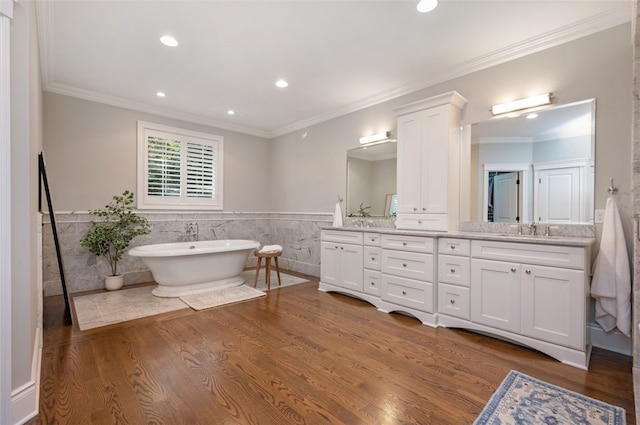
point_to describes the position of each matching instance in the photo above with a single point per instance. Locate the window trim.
(145, 202)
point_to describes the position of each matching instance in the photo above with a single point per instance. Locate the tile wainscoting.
(297, 233)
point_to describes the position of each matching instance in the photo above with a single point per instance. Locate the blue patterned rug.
(521, 400)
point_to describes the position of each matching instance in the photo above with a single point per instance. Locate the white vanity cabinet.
(453, 277)
(372, 264)
(536, 294)
(428, 163)
(531, 292)
(342, 259)
(408, 276)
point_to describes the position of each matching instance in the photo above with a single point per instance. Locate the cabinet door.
(330, 263)
(351, 267)
(495, 294)
(435, 160)
(409, 162)
(553, 307)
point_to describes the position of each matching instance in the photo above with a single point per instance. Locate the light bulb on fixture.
(521, 104)
(375, 138)
(425, 6)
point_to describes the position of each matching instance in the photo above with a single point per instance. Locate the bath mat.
(249, 277)
(521, 399)
(107, 308)
(218, 297)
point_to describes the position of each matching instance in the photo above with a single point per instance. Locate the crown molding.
(596, 23)
(143, 107)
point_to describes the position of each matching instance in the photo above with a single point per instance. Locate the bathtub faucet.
(191, 232)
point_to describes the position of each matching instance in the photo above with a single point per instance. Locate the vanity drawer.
(453, 269)
(453, 301)
(454, 246)
(540, 254)
(437, 222)
(407, 292)
(372, 239)
(372, 282)
(412, 265)
(408, 243)
(341, 236)
(372, 258)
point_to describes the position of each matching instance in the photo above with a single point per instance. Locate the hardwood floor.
(296, 356)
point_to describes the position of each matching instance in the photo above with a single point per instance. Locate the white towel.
(611, 283)
(337, 216)
(271, 248)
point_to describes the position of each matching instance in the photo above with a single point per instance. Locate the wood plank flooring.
(296, 356)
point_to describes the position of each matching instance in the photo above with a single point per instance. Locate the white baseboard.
(613, 341)
(26, 399)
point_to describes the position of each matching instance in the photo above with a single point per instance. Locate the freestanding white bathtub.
(185, 268)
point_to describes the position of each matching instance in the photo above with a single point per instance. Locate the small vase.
(113, 283)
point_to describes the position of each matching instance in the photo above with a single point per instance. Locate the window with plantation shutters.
(178, 169)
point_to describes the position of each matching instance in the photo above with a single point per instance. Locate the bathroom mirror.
(536, 167)
(371, 178)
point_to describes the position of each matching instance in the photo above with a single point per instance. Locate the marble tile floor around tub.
(107, 308)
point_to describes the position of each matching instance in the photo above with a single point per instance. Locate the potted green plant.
(110, 235)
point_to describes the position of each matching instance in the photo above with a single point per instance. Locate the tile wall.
(299, 235)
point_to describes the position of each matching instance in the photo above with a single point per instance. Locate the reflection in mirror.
(371, 176)
(534, 168)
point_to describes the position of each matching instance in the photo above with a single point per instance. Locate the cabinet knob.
(373, 258)
(415, 209)
(452, 301)
(336, 246)
(419, 221)
(453, 270)
(404, 292)
(527, 271)
(372, 240)
(341, 247)
(404, 244)
(452, 247)
(373, 284)
(424, 209)
(513, 269)
(404, 264)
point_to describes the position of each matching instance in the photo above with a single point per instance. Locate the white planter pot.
(113, 283)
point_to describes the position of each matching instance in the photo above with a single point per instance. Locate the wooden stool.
(267, 263)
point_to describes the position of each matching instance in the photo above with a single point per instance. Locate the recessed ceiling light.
(160, 94)
(168, 40)
(282, 84)
(425, 6)
(231, 112)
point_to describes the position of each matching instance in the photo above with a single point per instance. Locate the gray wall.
(26, 138)
(597, 66)
(90, 150)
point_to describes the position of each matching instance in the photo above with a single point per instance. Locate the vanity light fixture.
(520, 104)
(425, 6)
(168, 40)
(375, 138)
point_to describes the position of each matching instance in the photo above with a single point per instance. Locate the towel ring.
(612, 189)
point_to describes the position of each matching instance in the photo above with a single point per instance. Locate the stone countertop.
(503, 237)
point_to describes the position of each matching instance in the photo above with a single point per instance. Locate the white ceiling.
(338, 56)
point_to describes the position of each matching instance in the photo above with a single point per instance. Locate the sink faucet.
(532, 228)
